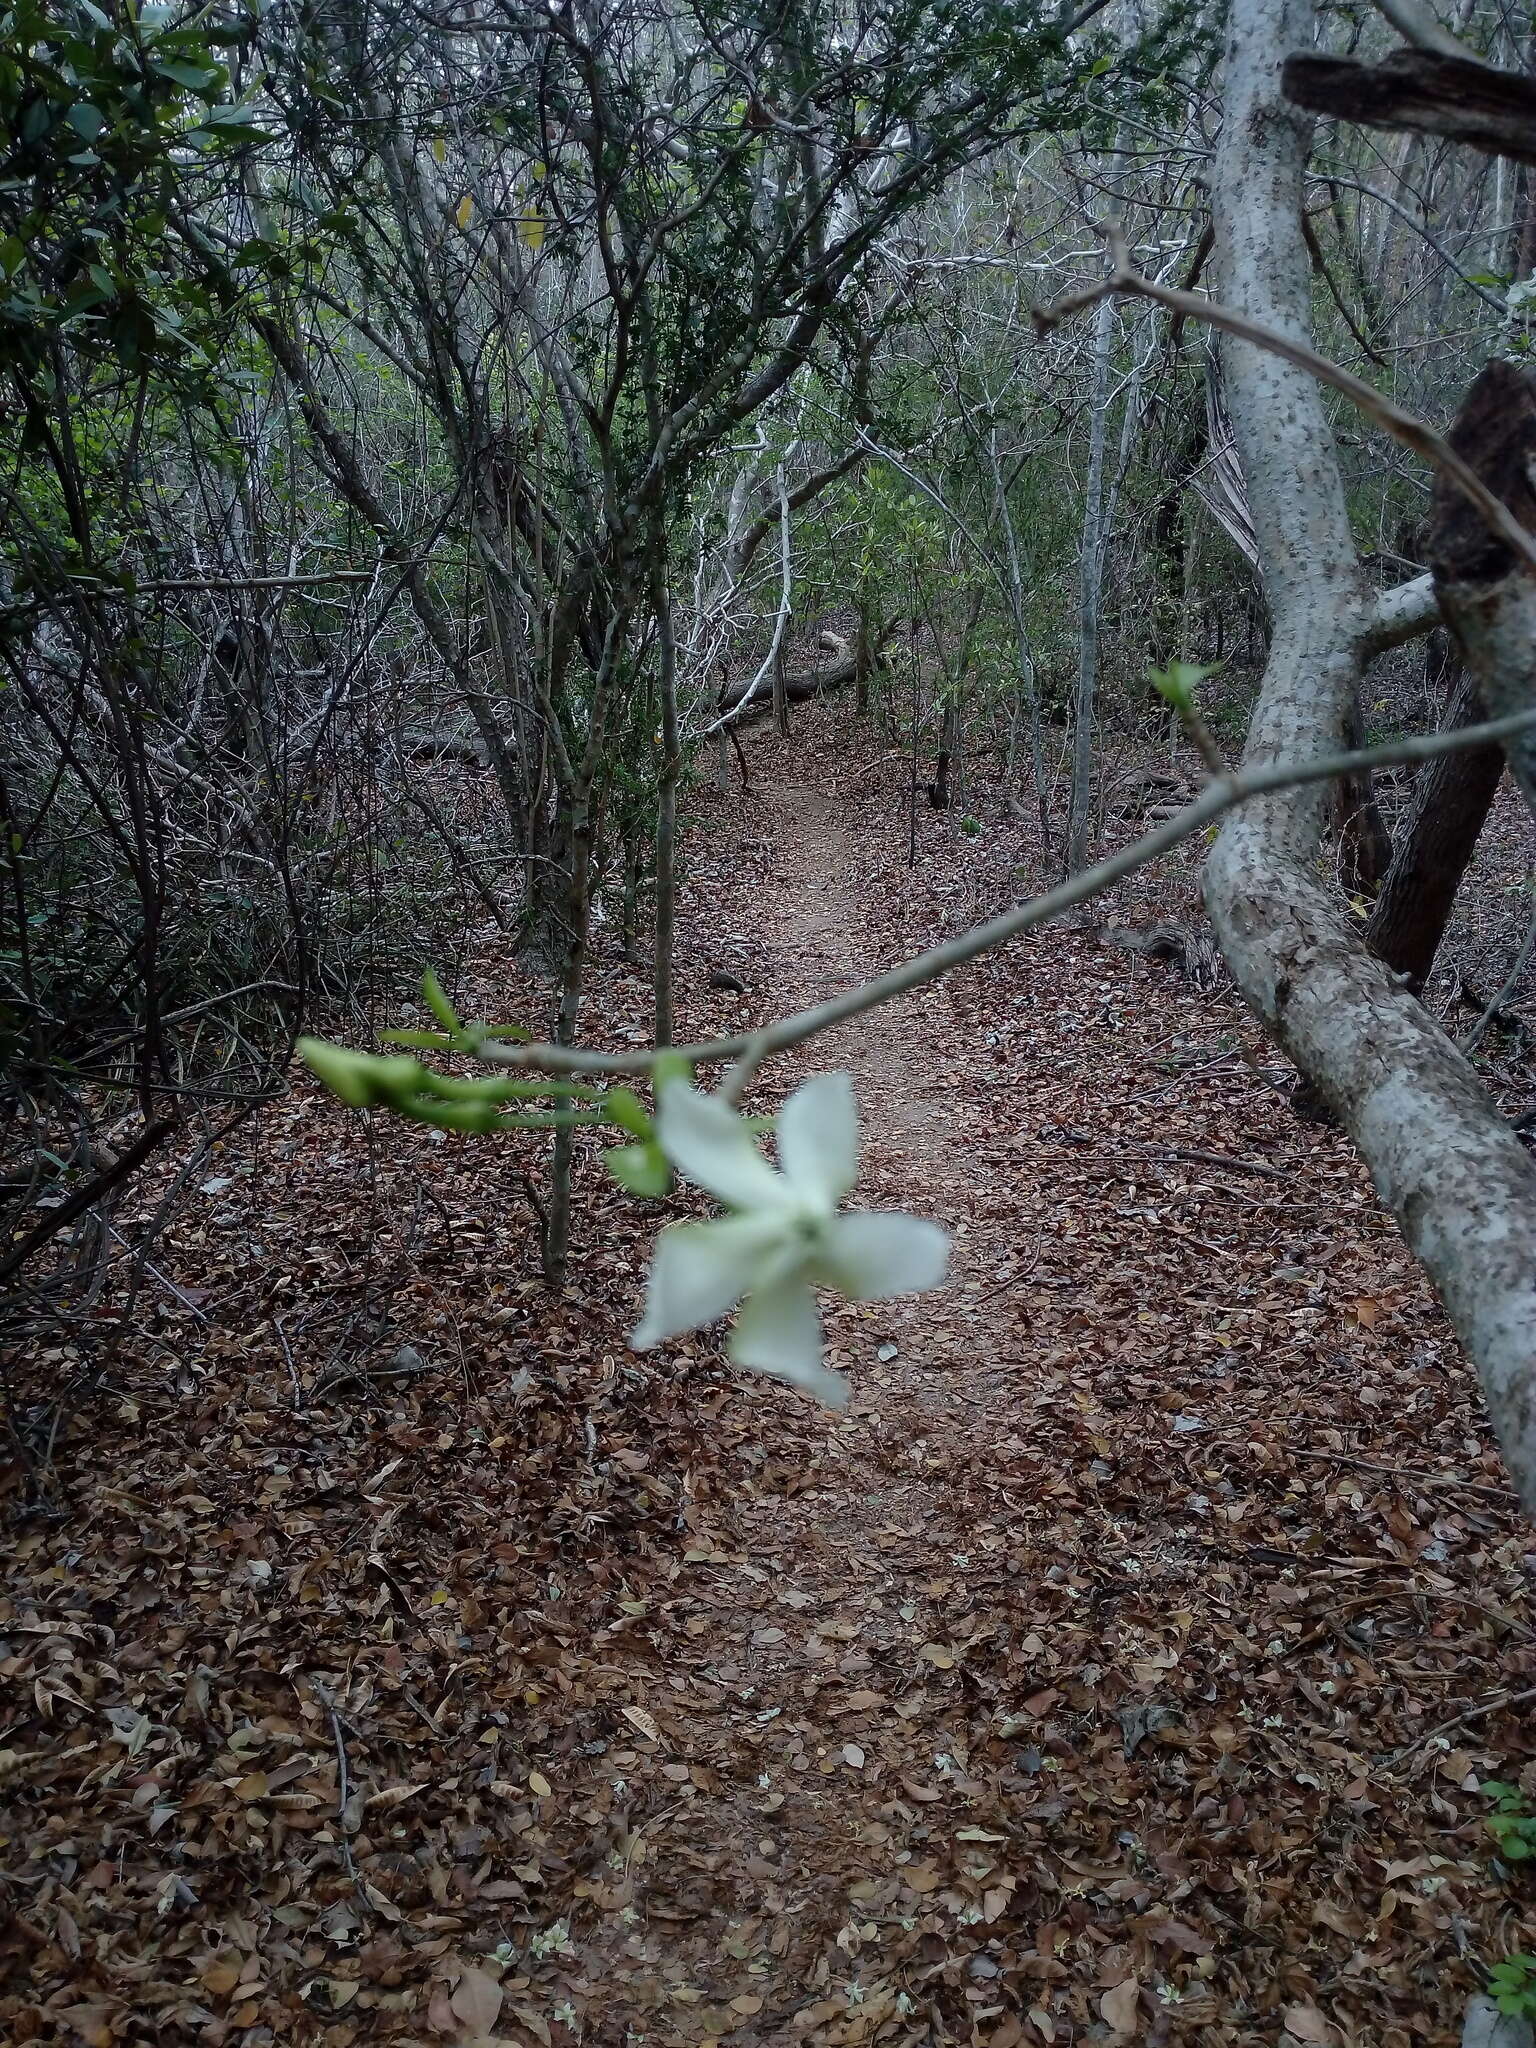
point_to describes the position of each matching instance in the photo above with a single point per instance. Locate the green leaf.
(360, 1079)
(670, 1066)
(1176, 684)
(639, 1169)
(625, 1108)
(195, 77)
(86, 120)
(437, 1002)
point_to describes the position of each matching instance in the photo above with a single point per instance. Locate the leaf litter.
(402, 1659)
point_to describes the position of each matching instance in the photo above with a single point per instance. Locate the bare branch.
(1224, 794)
(1402, 425)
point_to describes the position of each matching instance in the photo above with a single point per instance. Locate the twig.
(1210, 1159)
(317, 576)
(1511, 982)
(155, 1273)
(293, 1373)
(343, 1784)
(1012, 1280)
(1478, 1713)
(1391, 417)
(86, 1197)
(1225, 793)
(1498, 1493)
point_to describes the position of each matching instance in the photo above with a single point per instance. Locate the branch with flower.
(784, 1232)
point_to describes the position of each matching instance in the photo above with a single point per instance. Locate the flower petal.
(700, 1271)
(708, 1142)
(817, 1132)
(869, 1256)
(779, 1332)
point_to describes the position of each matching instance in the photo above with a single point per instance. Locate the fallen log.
(1456, 97)
(802, 685)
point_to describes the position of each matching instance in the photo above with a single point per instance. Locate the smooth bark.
(1442, 1158)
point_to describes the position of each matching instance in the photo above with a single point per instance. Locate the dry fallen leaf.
(1121, 2005)
(1309, 2025)
(476, 2000)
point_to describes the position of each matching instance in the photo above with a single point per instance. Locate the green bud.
(432, 995)
(639, 1169)
(360, 1078)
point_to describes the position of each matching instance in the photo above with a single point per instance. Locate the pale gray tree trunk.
(1090, 597)
(1443, 1159)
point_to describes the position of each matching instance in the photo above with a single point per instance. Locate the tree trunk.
(1090, 594)
(780, 692)
(1487, 594)
(1443, 1159)
(939, 792)
(1451, 800)
(1365, 844)
(576, 921)
(666, 796)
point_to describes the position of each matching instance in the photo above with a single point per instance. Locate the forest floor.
(404, 1660)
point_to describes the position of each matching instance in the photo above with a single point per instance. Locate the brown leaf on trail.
(926, 1794)
(1309, 2025)
(1175, 1934)
(1121, 2006)
(476, 2000)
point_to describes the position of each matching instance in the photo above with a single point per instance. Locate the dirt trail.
(837, 1617)
(986, 1744)
(1121, 1667)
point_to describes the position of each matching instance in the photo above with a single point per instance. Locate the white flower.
(784, 1234)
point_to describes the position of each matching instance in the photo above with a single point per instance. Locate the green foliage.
(1512, 1985)
(410, 1088)
(1512, 1823)
(103, 120)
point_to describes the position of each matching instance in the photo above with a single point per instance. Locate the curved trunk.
(1443, 1159)
(1451, 801)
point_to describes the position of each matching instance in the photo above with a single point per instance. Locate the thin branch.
(1224, 794)
(1401, 425)
(1417, 24)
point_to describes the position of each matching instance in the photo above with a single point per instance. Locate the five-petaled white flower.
(785, 1234)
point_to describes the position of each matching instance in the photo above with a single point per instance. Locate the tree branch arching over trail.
(1453, 1174)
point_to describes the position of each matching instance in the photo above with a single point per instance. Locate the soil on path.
(405, 1661)
(1043, 1656)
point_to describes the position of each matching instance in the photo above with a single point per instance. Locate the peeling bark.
(1488, 596)
(1426, 92)
(1443, 1160)
(1451, 801)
